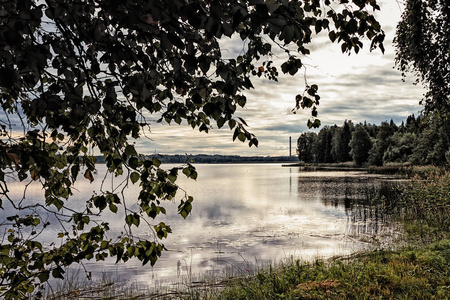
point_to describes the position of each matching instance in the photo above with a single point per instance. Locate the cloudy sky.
(362, 87)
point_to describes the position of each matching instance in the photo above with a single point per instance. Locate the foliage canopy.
(423, 47)
(83, 74)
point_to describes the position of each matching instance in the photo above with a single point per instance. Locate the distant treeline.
(419, 141)
(216, 159)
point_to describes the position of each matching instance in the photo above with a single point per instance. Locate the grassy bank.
(420, 270)
(350, 166)
(411, 273)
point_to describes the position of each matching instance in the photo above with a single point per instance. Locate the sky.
(360, 87)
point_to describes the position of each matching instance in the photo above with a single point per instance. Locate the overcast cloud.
(362, 87)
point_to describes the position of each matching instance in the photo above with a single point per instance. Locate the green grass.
(426, 207)
(407, 274)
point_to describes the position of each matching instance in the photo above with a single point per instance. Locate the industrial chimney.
(290, 148)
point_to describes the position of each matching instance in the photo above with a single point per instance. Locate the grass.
(107, 288)
(426, 201)
(407, 274)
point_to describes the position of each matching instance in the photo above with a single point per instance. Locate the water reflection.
(361, 195)
(252, 214)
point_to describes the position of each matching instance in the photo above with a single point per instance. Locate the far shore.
(350, 166)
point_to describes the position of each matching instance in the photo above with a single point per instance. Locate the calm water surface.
(250, 214)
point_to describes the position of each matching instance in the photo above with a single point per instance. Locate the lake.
(245, 216)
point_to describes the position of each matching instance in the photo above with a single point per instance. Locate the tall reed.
(426, 204)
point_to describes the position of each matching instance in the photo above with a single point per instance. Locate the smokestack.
(290, 148)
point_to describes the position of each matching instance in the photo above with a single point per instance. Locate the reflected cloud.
(243, 213)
